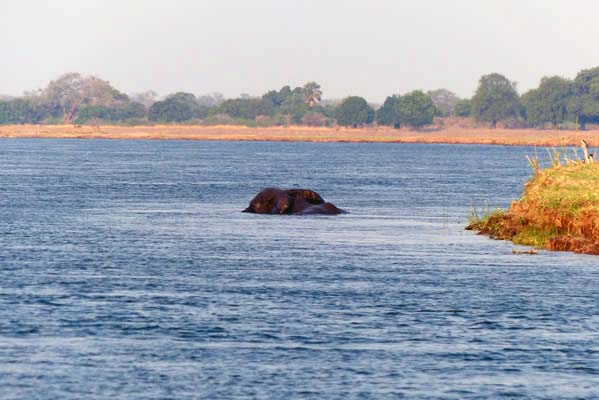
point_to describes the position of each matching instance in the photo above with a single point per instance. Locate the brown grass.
(454, 134)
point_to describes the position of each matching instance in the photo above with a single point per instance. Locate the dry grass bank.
(455, 134)
(558, 211)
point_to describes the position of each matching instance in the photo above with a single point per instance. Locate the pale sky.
(370, 48)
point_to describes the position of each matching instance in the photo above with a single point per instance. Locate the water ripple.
(128, 272)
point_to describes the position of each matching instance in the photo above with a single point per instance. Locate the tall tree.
(312, 93)
(293, 103)
(549, 102)
(277, 98)
(444, 100)
(388, 113)
(72, 90)
(354, 111)
(416, 109)
(495, 99)
(585, 103)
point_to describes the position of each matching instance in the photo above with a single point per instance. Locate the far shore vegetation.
(73, 98)
(559, 209)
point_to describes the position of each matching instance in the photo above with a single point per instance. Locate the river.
(128, 272)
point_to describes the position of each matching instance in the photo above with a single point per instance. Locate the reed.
(559, 209)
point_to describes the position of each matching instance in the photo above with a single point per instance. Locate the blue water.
(128, 272)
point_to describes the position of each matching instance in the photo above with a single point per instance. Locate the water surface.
(128, 272)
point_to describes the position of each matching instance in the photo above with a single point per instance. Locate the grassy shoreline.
(559, 210)
(449, 134)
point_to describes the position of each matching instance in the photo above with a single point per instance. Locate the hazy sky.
(371, 48)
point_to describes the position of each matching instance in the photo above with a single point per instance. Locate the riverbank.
(455, 134)
(558, 211)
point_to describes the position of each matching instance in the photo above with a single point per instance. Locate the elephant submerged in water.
(291, 202)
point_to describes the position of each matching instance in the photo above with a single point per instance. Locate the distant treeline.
(76, 99)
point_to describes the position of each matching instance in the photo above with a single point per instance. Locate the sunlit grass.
(558, 210)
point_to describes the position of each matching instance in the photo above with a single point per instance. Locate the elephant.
(291, 202)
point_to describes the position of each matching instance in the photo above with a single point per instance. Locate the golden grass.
(558, 211)
(449, 134)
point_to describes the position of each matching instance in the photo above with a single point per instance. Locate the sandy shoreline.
(451, 135)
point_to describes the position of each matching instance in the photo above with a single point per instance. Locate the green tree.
(534, 109)
(17, 111)
(354, 111)
(584, 105)
(117, 113)
(388, 113)
(23, 111)
(416, 109)
(277, 98)
(295, 105)
(549, 102)
(170, 111)
(312, 93)
(177, 107)
(284, 94)
(495, 99)
(273, 97)
(246, 108)
(462, 108)
(327, 109)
